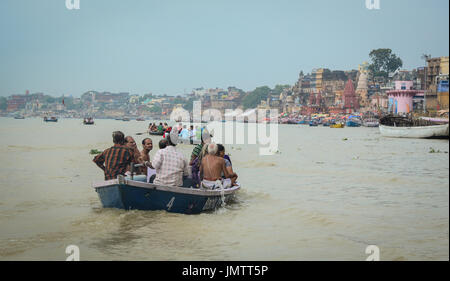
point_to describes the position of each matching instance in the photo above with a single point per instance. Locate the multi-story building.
(436, 95)
(16, 102)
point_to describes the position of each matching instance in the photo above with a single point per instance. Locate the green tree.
(252, 99)
(383, 62)
(189, 104)
(279, 88)
(155, 109)
(3, 103)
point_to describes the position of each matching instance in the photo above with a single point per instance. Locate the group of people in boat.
(161, 128)
(209, 166)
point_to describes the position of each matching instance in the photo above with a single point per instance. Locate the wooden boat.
(51, 119)
(156, 133)
(339, 125)
(124, 193)
(403, 127)
(125, 119)
(140, 119)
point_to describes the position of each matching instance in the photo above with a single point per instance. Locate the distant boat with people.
(50, 119)
(136, 194)
(88, 121)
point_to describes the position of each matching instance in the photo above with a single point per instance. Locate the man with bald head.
(211, 169)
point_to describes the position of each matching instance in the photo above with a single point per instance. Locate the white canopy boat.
(402, 127)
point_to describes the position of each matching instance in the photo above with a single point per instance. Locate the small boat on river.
(51, 119)
(88, 121)
(136, 194)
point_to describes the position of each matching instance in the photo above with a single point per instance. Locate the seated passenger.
(163, 143)
(170, 165)
(228, 165)
(211, 169)
(137, 159)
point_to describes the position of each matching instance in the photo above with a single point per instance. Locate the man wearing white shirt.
(170, 165)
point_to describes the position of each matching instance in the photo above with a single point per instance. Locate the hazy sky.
(166, 46)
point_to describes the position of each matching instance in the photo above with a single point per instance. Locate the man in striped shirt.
(115, 160)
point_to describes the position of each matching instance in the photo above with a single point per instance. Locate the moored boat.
(313, 123)
(403, 127)
(124, 193)
(353, 122)
(373, 123)
(339, 125)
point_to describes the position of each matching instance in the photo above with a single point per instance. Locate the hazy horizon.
(171, 47)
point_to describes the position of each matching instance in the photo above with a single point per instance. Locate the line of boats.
(394, 126)
(352, 121)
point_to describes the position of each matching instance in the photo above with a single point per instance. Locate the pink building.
(401, 99)
(351, 102)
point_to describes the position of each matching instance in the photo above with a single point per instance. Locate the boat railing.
(132, 167)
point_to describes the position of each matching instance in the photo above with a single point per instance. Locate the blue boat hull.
(129, 196)
(352, 124)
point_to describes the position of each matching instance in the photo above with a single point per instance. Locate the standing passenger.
(115, 160)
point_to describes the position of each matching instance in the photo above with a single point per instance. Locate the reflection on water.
(326, 195)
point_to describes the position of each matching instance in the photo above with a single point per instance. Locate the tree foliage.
(279, 88)
(155, 109)
(383, 62)
(3, 103)
(252, 99)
